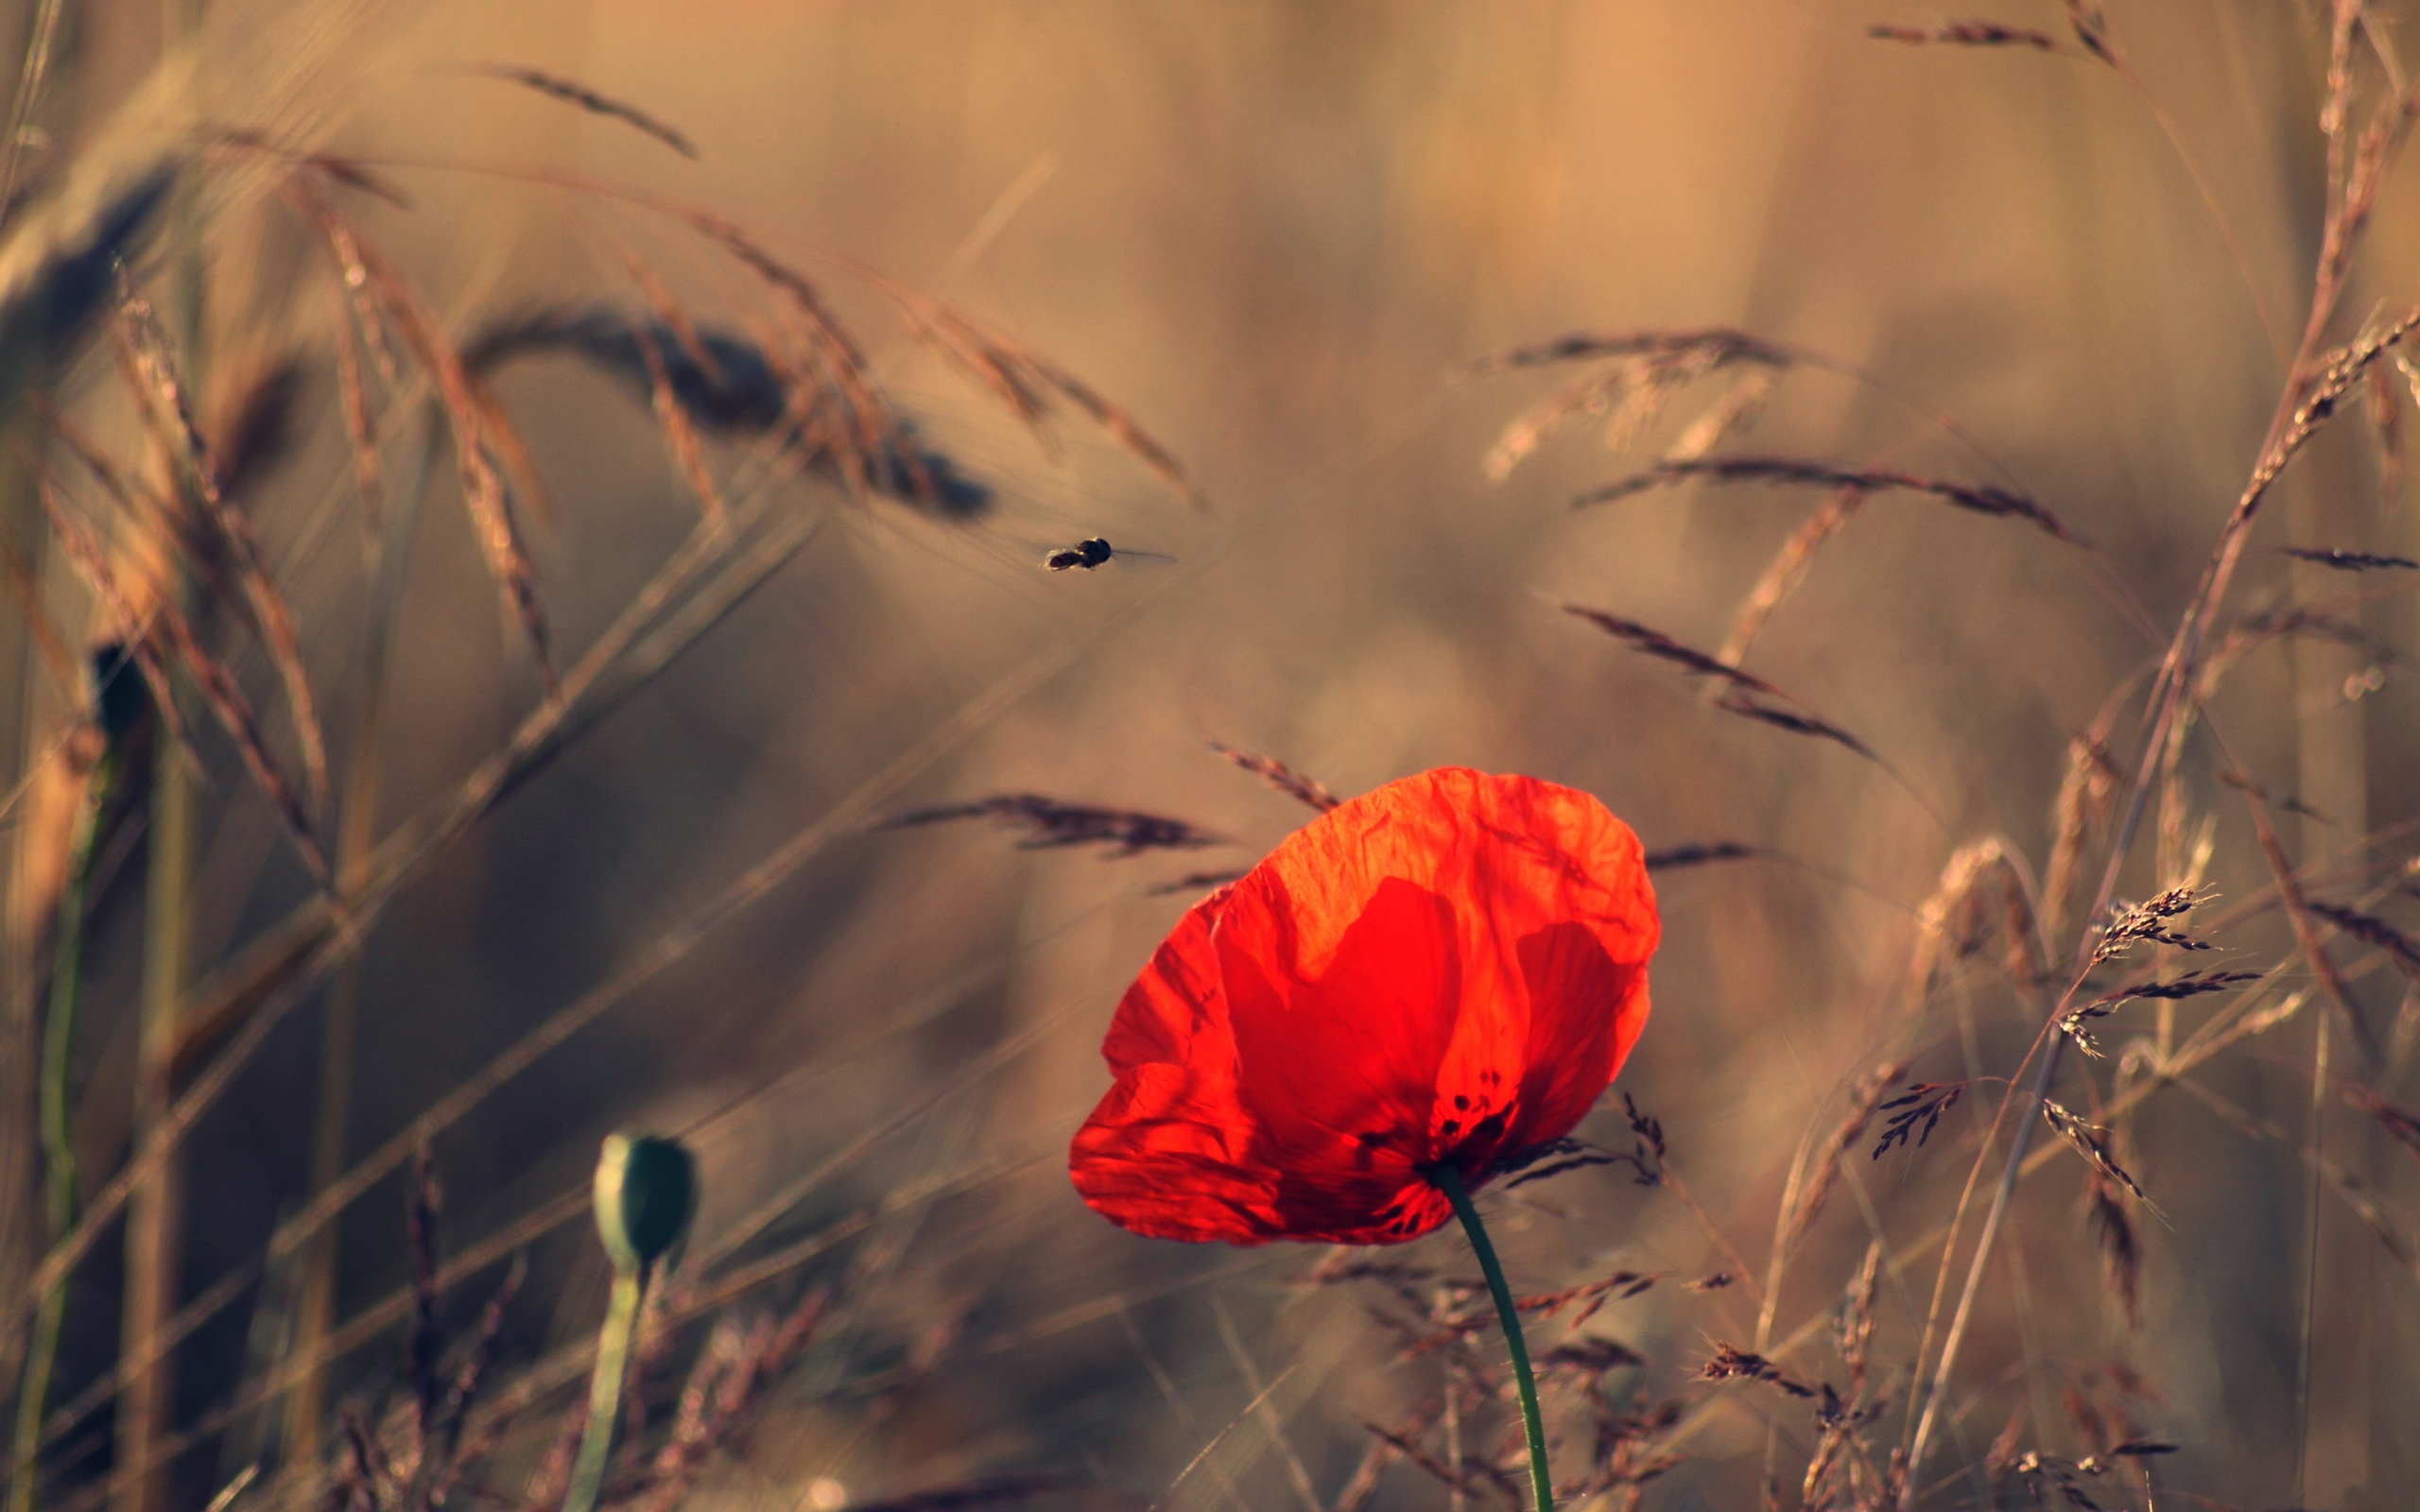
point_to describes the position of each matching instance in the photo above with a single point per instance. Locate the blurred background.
(1278, 233)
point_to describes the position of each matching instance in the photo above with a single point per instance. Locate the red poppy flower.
(1449, 969)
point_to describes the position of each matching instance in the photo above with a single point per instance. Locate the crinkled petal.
(1338, 1072)
(1449, 968)
(1161, 1159)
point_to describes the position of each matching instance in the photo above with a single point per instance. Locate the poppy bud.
(646, 1193)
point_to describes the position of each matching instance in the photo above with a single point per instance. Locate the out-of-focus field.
(1278, 233)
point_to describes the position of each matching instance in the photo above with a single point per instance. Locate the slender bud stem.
(58, 1138)
(605, 1391)
(1450, 1181)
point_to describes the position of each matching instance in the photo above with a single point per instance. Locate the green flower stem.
(57, 1135)
(1450, 1181)
(605, 1391)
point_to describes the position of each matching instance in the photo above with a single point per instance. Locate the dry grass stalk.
(360, 431)
(2334, 375)
(2370, 929)
(2080, 816)
(832, 378)
(1032, 386)
(2111, 1210)
(1971, 34)
(2252, 631)
(59, 260)
(1052, 825)
(1700, 853)
(580, 96)
(1642, 376)
(254, 422)
(2401, 1123)
(2299, 913)
(1799, 472)
(1923, 1102)
(1985, 892)
(2347, 561)
(2072, 1023)
(218, 690)
(1741, 405)
(688, 453)
(1744, 693)
(1471, 1477)
(1731, 1362)
(2151, 921)
(2092, 30)
(160, 388)
(17, 579)
(1864, 1098)
(1788, 570)
(2385, 411)
(384, 296)
(1719, 347)
(2091, 1141)
(1302, 788)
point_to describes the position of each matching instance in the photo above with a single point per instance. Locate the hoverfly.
(1092, 552)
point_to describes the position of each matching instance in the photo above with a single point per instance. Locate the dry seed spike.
(1788, 570)
(161, 389)
(571, 92)
(1980, 498)
(2091, 1141)
(1053, 825)
(1026, 382)
(1971, 34)
(218, 690)
(872, 440)
(389, 298)
(1864, 1099)
(688, 452)
(1741, 405)
(2369, 929)
(1984, 888)
(1303, 789)
(352, 397)
(2089, 783)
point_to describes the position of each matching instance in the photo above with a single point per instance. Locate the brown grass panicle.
(1971, 34)
(1985, 894)
(1301, 788)
(1050, 824)
(1802, 1206)
(1740, 692)
(1640, 374)
(1799, 472)
(571, 92)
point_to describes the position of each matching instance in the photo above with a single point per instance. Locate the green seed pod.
(646, 1192)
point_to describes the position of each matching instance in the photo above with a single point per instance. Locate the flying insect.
(1092, 552)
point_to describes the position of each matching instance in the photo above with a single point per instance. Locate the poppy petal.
(1158, 1159)
(1448, 967)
